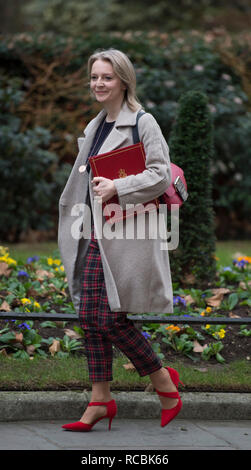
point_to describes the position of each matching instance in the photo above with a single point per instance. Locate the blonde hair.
(123, 68)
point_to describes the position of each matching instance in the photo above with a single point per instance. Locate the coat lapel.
(114, 140)
(117, 137)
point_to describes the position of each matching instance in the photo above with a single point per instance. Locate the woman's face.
(105, 84)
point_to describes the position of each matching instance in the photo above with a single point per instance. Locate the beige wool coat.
(137, 272)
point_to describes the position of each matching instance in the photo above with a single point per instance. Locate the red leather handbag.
(177, 191)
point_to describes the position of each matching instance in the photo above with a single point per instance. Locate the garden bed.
(39, 285)
(235, 345)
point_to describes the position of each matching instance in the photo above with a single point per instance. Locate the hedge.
(192, 146)
(46, 102)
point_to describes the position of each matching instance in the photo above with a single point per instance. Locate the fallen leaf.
(197, 347)
(129, 366)
(233, 315)
(19, 337)
(217, 298)
(55, 347)
(243, 285)
(189, 300)
(52, 287)
(30, 349)
(72, 334)
(215, 301)
(221, 290)
(5, 306)
(4, 269)
(62, 292)
(42, 274)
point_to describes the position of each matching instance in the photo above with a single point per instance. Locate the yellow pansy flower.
(25, 301)
(37, 304)
(57, 261)
(7, 259)
(61, 268)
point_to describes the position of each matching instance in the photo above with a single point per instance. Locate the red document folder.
(118, 164)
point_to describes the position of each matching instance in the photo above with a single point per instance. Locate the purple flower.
(146, 335)
(179, 300)
(22, 274)
(32, 258)
(240, 263)
(24, 326)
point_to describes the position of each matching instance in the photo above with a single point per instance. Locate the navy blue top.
(102, 133)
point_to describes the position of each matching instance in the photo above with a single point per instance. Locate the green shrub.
(191, 146)
(30, 187)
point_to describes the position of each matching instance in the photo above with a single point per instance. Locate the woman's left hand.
(104, 188)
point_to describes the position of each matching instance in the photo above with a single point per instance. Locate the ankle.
(101, 398)
(162, 380)
(101, 392)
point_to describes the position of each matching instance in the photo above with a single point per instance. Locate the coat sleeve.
(156, 178)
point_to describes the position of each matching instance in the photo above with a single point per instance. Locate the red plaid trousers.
(103, 328)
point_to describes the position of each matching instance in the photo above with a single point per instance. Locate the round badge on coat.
(82, 168)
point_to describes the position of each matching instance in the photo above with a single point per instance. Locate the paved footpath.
(139, 434)
(32, 421)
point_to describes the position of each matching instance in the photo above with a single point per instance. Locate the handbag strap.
(135, 132)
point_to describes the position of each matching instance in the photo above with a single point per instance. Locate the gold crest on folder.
(122, 173)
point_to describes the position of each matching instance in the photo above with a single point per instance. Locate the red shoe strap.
(168, 394)
(98, 403)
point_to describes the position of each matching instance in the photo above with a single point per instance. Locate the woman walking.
(107, 277)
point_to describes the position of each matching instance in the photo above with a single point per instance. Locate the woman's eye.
(94, 77)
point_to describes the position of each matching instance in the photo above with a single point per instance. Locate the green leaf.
(21, 355)
(7, 337)
(220, 358)
(48, 324)
(233, 300)
(79, 330)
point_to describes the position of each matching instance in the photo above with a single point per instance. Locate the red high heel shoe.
(84, 427)
(169, 414)
(174, 374)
